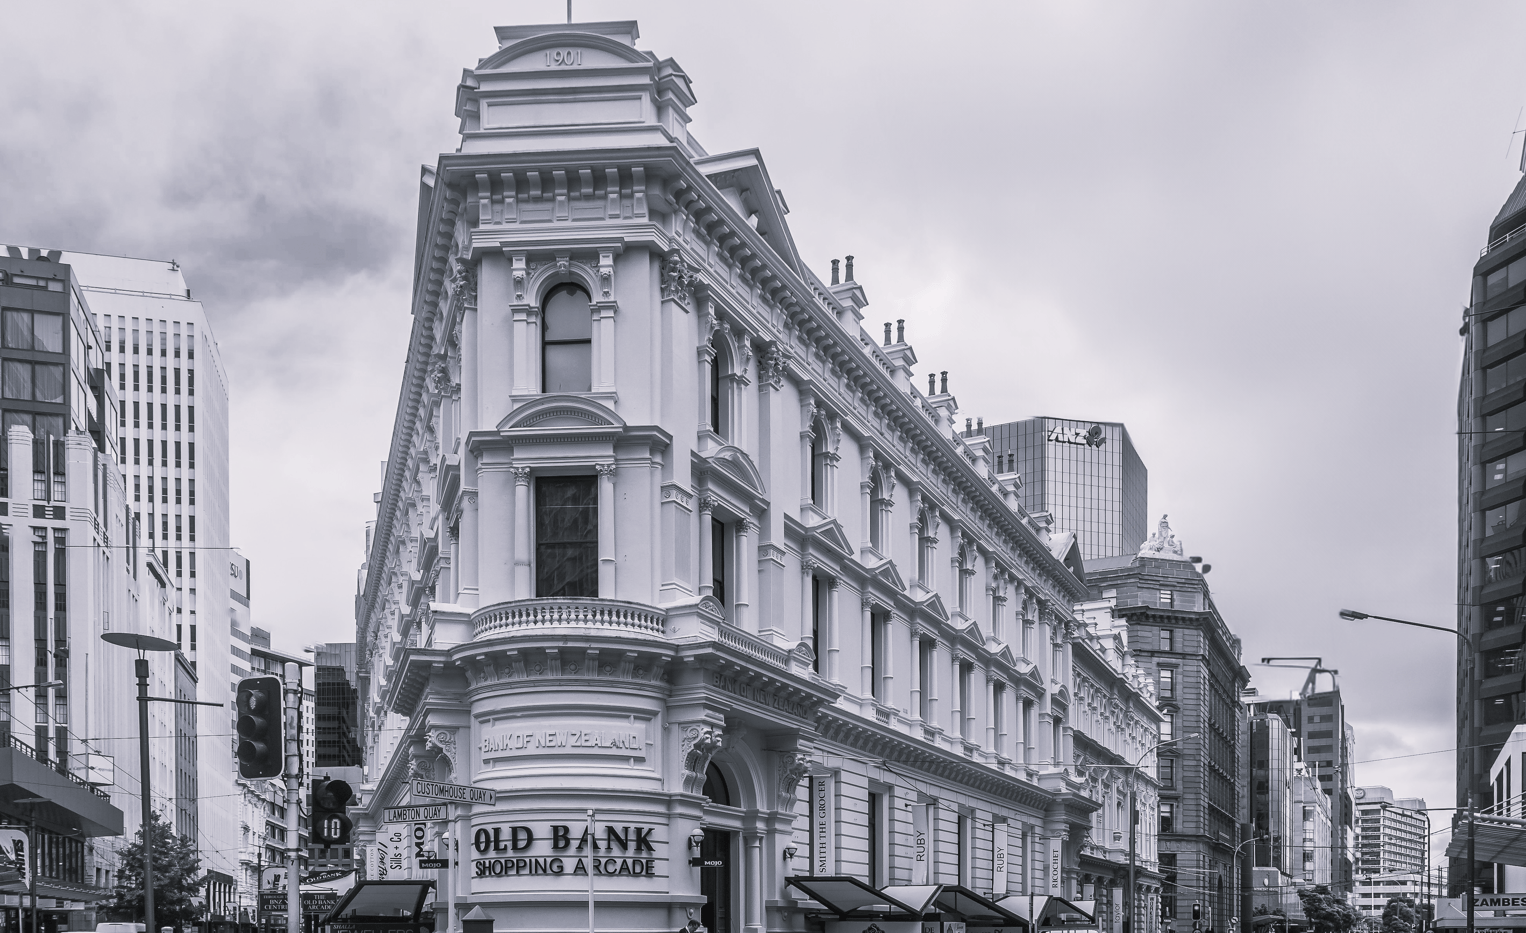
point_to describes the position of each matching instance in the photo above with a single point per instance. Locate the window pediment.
(561, 414)
(734, 467)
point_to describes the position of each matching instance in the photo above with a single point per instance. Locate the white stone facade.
(669, 542)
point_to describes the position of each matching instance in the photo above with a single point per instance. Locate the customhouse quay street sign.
(459, 793)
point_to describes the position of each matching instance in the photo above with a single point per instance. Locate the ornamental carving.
(792, 767)
(678, 279)
(700, 743)
(443, 742)
(464, 284)
(771, 368)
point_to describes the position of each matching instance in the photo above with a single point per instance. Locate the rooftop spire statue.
(1163, 544)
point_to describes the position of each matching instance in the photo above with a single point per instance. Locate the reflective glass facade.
(1084, 473)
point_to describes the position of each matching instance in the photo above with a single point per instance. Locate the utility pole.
(293, 798)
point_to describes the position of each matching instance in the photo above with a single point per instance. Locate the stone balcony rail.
(523, 615)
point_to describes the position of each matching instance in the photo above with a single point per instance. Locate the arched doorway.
(715, 861)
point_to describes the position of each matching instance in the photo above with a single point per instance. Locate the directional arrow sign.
(460, 793)
(430, 814)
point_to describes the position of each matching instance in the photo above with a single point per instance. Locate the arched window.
(876, 510)
(715, 392)
(819, 466)
(567, 340)
(715, 786)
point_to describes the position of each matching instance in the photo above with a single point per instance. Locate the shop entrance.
(715, 882)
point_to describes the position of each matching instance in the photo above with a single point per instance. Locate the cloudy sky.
(1244, 229)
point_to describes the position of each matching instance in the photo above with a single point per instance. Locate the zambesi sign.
(519, 850)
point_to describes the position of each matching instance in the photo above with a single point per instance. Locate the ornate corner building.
(645, 465)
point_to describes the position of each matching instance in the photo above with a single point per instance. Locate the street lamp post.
(143, 644)
(1128, 907)
(1351, 615)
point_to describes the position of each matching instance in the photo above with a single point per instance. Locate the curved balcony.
(526, 615)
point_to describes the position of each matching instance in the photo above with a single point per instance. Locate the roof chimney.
(967, 429)
(980, 425)
(932, 384)
(849, 276)
(900, 330)
(887, 333)
(944, 376)
(834, 272)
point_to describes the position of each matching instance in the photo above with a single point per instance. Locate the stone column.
(523, 586)
(607, 550)
(808, 613)
(466, 571)
(745, 568)
(990, 712)
(955, 700)
(866, 502)
(834, 673)
(916, 675)
(706, 546)
(706, 364)
(866, 606)
(753, 881)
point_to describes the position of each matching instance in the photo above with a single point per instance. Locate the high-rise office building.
(70, 569)
(1179, 638)
(1326, 743)
(335, 703)
(1392, 842)
(1086, 474)
(1491, 537)
(171, 442)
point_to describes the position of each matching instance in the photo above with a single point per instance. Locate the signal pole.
(293, 799)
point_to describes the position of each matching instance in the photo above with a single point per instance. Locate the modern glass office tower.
(1491, 538)
(1084, 473)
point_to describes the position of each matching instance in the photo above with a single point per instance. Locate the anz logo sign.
(1091, 437)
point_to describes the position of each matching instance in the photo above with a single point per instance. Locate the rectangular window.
(1167, 772)
(566, 537)
(33, 330)
(1165, 599)
(190, 492)
(877, 656)
(177, 490)
(190, 455)
(136, 459)
(925, 677)
(164, 381)
(34, 382)
(718, 560)
(876, 839)
(190, 382)
(177, 380)
(164, 489)
(1165, 640)
(150, 407)
(137, 489)
(966, 675)
(177, 417)
(150, 371)
(1167, 727)
(817, 648)
(177, 455)
(1167, 683)
(1168, 817)
(135, 377)
(190, 418)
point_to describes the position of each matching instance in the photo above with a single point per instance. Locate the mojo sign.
(564, 849)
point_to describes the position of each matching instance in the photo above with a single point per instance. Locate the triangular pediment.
(971, 630)
(744, 185)
(886, 572)
(561, 413)
(933, 606)
(1004, 653)
(830, 534)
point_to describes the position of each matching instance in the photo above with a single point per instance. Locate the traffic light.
(331, 827)
(1197, 910)
(261, 728)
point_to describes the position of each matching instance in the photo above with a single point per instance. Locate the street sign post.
(424, 814)
(459, 793)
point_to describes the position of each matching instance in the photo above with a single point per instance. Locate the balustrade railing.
(523, 614)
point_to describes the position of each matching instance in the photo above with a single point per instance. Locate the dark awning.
(844, 894)
(1051, 911)
(958, 899)
(1497, 839)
